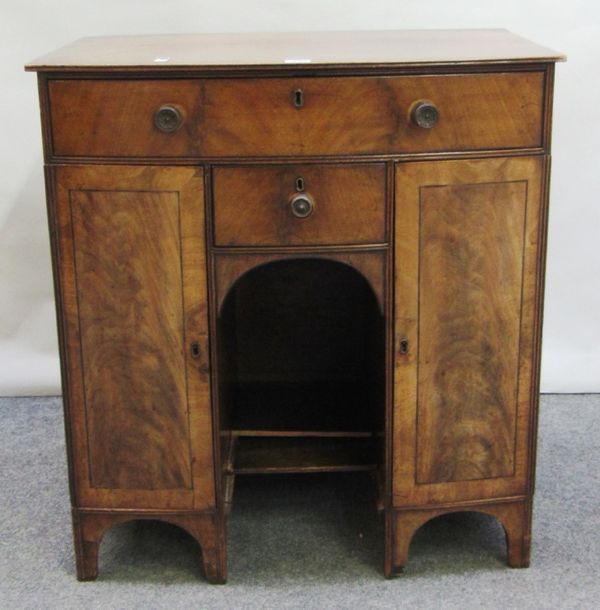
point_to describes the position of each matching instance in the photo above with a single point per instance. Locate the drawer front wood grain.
(266, 118)
(371, 115)
(253, 205)
(115, 118)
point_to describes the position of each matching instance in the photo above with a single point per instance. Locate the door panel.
(471, 255)
(127, 257)
(465, 291)
(133, 297)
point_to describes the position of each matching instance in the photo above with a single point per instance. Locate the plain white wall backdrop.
(28, 346)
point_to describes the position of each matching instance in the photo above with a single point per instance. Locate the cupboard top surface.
(289, 49)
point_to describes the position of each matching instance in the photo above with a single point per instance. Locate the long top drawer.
(264, 117)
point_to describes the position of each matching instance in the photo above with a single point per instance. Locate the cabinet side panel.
(127, 253)
(470, 279)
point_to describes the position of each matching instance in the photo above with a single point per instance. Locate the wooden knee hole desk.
(298, 253)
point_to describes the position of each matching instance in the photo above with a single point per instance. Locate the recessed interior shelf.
(271, 455)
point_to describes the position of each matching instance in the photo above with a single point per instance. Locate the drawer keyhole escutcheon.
(299, 184)
(425, 114)
(404, 346)
(298, 98)
(168, 118)
(195, 349)
(302, 206)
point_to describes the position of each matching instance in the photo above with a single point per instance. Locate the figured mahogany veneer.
(266, 218)
(292, 253)
(339, 116)
(118, 236)
(466, 269)
(133, 296)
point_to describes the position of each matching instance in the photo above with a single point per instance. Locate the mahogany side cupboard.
(289, 253)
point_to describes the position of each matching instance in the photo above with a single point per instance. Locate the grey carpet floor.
(304, 541)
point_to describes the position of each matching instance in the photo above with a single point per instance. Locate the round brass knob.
(302, 206)
(168, 118)
(424, 114)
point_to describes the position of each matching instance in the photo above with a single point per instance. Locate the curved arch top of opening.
(159, 524)
(326, 269)
(368, 266)
(491, 517)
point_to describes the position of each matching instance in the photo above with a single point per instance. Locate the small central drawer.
(299, 205)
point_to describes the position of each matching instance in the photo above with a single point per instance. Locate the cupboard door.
(132, 301)
(466, 277)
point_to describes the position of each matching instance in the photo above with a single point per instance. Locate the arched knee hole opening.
(302, 369)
